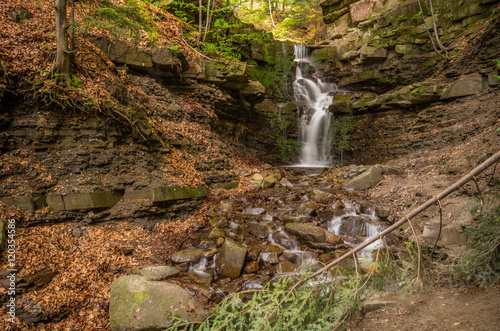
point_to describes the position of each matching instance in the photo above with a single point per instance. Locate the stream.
(298, 223)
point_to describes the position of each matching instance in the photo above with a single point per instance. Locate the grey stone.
(230, 260)
(192, 255)
(380, 300)
(367, 179)
(257, 180)
(269, 181)
(226, 186)
(140, 304)
(307, 208)
(322, 196)
(157, 273)
(306, 232)
(286, 183)
(55, 202)
(493, 81)
(464, 87)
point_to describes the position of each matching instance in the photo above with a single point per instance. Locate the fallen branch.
(476, 171)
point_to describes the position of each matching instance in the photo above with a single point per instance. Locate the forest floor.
(438, 308)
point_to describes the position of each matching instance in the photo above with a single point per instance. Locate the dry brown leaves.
(75, 259)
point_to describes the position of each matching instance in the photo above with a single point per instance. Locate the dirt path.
(445, 308)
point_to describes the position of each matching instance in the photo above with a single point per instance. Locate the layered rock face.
(377, 45)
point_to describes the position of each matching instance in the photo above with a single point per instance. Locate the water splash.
(315, 96)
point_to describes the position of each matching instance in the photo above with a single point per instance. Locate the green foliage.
(481, 262)
(497, 76)
(288, 148)
(316, 305)
(342, 130)
(131, 17)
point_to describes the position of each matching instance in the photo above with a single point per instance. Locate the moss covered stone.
(139, 304)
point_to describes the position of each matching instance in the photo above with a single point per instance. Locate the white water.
(316, 97)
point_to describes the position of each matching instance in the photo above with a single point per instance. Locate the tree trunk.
(207, 22)
(62, 66)
(200, 19)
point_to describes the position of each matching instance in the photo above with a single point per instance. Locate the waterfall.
(315, 97)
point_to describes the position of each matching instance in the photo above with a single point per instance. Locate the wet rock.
(260, 230)
(140, 304)
(216, 233)
(268, 257)
(339, 204)
(256, 250)
(254, 211)
(226, 186)
(325, 215)
(304, 183)
(285, 240)
(202, 278)
(157, 273)
(332, 239)
(287, 256)
(354, 226)
(322, 196)
(257, 180)
(383, 214)
(286, 183)
(296, 219)
(192, 255)
(230, 260)
(284, 267)
(307, 232)
(255, 91)
(307, 208)
(252, 267)
(218, 222)
(269, 181)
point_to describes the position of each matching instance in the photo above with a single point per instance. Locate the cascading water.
(315, 96)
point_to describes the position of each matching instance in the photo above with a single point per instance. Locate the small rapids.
(281, 230)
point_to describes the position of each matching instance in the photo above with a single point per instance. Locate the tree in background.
(62, 67)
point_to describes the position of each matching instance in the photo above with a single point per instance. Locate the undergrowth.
(326, 302)
(480, 263)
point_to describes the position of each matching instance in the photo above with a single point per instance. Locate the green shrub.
(481, 262)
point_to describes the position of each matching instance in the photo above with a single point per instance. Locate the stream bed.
(297, 222)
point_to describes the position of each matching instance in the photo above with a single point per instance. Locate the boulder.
(284, 267)
(354, 226)
(230, 260)
(157, 273)
(139, 304)
(464, 87)
(192, 255)
(286, 183)
(260, 230)
(307, 232)
(285, 240)
(269, 181)
(257, 180)
(370, 178)
(322, 196)
(307, 208)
